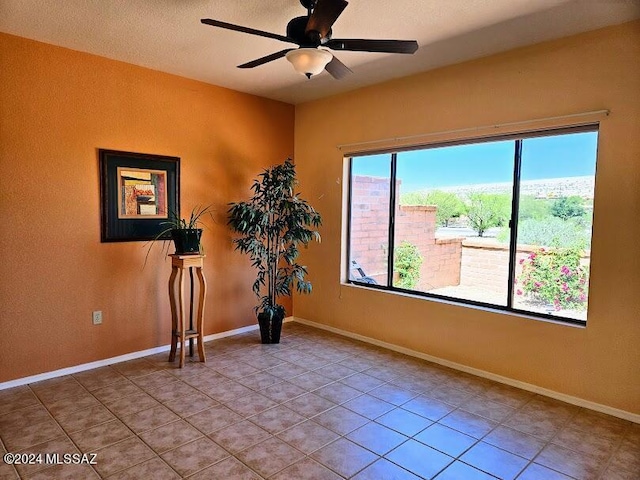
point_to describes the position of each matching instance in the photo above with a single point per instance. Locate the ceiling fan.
(312, 31)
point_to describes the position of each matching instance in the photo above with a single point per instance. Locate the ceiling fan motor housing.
(296, 30)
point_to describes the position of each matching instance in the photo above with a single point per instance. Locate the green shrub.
(407, 263)
(532, 207)
(568, 207)
(555, 277)
(553, 232)
(449, 204)
(487, 210)
(550, 232)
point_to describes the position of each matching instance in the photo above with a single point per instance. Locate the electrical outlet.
(97, 317)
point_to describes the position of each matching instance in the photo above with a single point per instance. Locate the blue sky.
(543, 157)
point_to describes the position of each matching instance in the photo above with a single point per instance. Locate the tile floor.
(317, 406)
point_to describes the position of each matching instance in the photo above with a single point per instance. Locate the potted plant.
(272, 224)
(185, 233)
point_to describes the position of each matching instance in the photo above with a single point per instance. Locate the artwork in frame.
(138, 192)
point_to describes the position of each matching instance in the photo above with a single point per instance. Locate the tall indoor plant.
(272, 224)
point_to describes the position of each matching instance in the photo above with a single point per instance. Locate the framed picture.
(138, 192)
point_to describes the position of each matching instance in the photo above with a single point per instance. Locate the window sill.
(464, 304)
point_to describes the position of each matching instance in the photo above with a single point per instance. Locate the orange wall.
(596, 70)
(57, 107)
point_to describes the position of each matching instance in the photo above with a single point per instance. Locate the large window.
(504, 223)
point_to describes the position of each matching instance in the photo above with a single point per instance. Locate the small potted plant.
(272, 224)
(185, 233)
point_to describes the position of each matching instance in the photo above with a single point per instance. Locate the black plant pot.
(270, 329)
(186, 240)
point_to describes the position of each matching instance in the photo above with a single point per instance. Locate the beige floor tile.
(392, 394)
(446, 440)
(309, 405)
(155, 469)
(277, 419)
(16, 399)
(383, 469)
(337, 400)
(428, 408)
(98, 378)
(120, 456)
(468, 423)
(462, 471)
(419, 459)
(269, 457)
(190, 404)
(101, 435)
(194, 456)
(306, 469)
(28, 415)
(132, 404)
(378, 439)
(212, 419)
(27, 435)
(160, 378)
(341, 420)
(283, 392)
(120, 388)
(170, 436)
(513, 441)
(239, 436)
(250, 404)
(59, 446)
(344, 457)
(85, 418)
(149, 419)
(368, 406)
(362, 382)
(228, 391)
(70, 405)
(494, 461)
(229, 468)
(67, 387)
(310, 381)
(403, 421)
(308, 436)
(570, 463)
(66, 472)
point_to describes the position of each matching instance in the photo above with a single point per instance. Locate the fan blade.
(252, 31)
(325, 13)
(266, 59)
(362, 45)
(337, 69)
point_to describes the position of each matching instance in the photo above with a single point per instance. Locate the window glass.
(454, 200)
(554, 224)
(503, 223)
(369, 220)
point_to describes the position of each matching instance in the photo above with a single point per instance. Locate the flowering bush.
(555, 277)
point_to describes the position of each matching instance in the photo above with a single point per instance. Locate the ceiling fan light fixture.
(309, 61)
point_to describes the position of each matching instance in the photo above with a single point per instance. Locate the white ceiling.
(167, 35)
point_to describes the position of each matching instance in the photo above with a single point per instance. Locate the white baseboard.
(121, 358)
(632, 417)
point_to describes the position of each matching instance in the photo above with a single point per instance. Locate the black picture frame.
(138, 192)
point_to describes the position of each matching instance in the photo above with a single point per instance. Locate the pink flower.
(542, 250)
(537, 284)
(519, 292)
(521, 261)
(565, 287)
